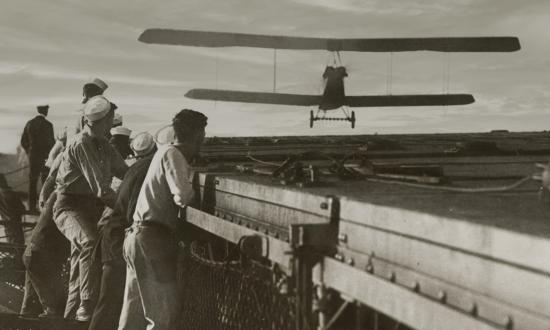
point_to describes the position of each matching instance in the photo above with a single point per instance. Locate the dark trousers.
(44, 272)
(37, 169)
(111, 296)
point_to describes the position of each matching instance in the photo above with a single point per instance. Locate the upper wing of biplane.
(225, 39)
(311, 100)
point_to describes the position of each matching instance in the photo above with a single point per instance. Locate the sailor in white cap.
(120, 140)
(111, 233)
(93, 88)
(143, 145)
(121, 130)
(99, 83)
(152, 301)
(83, 187)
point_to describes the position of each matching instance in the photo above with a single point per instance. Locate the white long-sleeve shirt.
(166, 188)
(57, 148)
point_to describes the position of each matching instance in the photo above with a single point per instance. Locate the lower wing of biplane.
(316, 100)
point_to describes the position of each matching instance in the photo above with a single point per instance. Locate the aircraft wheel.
(311, 119)
(352, 119)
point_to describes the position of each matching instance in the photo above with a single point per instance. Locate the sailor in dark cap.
(151, 299)
(37, 140)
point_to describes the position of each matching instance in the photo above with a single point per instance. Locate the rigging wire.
(339, 58)
(447, 73)
(217, 73)
(389, 75)
(446, 78)
(274, 69)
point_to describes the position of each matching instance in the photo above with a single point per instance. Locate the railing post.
(308, 243)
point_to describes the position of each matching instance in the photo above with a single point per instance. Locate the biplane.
(333, 96)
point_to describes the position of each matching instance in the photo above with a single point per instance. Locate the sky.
(50, 48)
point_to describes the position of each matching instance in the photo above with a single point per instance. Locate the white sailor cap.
(142, 144)
(99, 83)
(96, 108)
(120, 130)
(166, 135)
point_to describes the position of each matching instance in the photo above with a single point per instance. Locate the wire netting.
(12, 275)
(233, 294)
(12, 271)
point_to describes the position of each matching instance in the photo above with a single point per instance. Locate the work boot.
(50, 314)
(84, 312)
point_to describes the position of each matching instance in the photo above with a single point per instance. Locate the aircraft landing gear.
(315, 117)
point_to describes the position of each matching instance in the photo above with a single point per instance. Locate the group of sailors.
(121, 237)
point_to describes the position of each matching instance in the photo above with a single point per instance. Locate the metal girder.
(271, 205)
(400, 303)
(490, 277)
(452, 294)
(529, 251)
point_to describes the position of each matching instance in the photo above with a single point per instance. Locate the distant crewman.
(93, 88)
(90, 89)
(37, 140)
(83, 190)
(120, 140)
(151, 298)
(111, 236)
